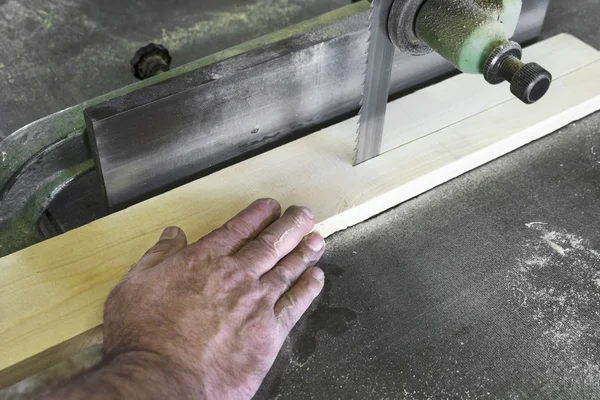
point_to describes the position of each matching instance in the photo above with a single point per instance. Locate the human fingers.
(277, 240)
(294, 303)
(245, 226)
(171, 241)
(281, 278)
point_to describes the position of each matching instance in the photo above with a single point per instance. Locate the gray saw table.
(486, 287)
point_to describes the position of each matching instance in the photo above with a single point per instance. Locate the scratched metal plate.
(154, 139)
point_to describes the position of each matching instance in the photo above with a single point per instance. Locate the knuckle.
(306, 256)
(287, 318)
(292, 300)
(238, 228)
(282, 277)
(232, 278)
(188, 258)
(211, 243)
(267, 245)
(306, 284)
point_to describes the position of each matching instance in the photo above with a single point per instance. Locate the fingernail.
(268, 201)
(317, 273)
(170, 233)
(315, 242)
(272, 202)
(308, 212)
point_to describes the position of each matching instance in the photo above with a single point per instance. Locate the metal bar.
(25, 193)
(154, 139)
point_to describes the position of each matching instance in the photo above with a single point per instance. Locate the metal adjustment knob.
(528, 82)
(150, 60)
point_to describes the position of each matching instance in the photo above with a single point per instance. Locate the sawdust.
(82, 46)
(247, 17)
(44, 16)
(473, 385)
(26, 24)
(557, 282)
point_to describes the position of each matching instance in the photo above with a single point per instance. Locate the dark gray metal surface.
(150, 140)
(24, 152)
(58, 53)
(485, 288)
(38, 36)
(28, 196)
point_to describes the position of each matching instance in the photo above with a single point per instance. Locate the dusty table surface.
(486, 287)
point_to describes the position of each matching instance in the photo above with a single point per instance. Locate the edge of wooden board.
(50, 357)
(54, 291)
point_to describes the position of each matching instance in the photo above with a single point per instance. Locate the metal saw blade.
(377, 83)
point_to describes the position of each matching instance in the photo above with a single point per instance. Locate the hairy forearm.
(135, 374)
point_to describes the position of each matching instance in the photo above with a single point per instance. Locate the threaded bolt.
(528, 82)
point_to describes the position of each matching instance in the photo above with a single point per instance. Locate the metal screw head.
(150, 60)
(530, 83)
(491, 69)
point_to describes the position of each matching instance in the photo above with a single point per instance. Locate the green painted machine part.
(474, 35)
(466, 32)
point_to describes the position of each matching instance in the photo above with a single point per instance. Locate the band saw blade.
(376, 89)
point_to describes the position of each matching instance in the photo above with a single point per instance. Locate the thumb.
(171, 241)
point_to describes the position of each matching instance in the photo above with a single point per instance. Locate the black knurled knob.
(528, 82)
(150, 60)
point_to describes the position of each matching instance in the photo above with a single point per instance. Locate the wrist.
(150, 375)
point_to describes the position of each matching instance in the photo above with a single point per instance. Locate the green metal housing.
(465, 31)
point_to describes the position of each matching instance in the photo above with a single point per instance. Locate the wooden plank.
(53, 292)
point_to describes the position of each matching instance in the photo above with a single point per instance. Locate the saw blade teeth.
(377, 73)
(362, 98)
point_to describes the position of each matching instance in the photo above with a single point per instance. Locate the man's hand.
(206, 320)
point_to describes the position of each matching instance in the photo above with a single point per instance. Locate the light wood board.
(51, 294)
